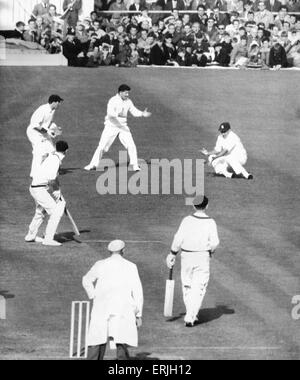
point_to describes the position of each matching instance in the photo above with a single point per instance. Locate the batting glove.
(170, 260)
(54, 130)
(56, 195)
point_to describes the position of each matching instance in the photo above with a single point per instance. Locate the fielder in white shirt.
(197, 238)
(229, 153)
(116, 125)
(41, 130)
(46, 193)
(115, 287)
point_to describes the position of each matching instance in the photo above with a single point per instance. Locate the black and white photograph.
(149, 194)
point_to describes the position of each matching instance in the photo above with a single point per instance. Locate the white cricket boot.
(33, 239)
(52, 243)
(90, 167)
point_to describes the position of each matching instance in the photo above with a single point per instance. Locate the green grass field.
(255, 272)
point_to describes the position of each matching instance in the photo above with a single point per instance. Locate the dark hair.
(20, 23)
(61, 146)
(203, 204)
(123, 88)
(54, 99)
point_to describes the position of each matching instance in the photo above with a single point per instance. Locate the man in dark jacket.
(277, 56)
(159, 53)
(72, 47)
(17, 33)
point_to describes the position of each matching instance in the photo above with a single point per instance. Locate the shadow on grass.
(143, 356)
(207, 315)
(64, 171)
(65, 237)
(6, 294)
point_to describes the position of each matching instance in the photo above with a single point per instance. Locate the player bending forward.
(229, 153)
(41, 130)
(116, 125)
(47, 196)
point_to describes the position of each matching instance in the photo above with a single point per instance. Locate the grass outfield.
(255, 272)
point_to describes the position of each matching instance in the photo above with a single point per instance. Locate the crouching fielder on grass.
(46, 193)
(229, 153)
(116, 125)
(197, 238)
(118, 303)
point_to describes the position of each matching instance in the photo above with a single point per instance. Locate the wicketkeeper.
(197, 238)
(42, 131)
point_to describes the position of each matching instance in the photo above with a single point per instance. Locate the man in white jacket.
(118, 303)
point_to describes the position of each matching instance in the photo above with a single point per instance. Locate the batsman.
(197, 238)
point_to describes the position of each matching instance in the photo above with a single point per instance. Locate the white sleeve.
(213, 236)
(219, 145)
(111, 108)
(134, 111)
(37, 118)
(52, 167)
(89, 279)
(137, 293)
(178, 238)
(232, 142)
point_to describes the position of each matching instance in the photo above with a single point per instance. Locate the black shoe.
(189, 324)
(250, 176)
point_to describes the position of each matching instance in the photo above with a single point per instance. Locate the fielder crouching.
(197, 238)
(47, 196)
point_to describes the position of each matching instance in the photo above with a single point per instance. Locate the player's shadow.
(65, 237)
(207, 315)
(143, 356)
(64, 171)
(6, 294)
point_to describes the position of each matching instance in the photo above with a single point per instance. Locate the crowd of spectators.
(237, 33)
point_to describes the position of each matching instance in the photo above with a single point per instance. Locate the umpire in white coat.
(118, 303)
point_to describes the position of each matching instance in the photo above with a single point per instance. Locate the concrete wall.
(12, 11)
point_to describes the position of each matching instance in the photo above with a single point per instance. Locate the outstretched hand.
(204, 151)
(146, 113)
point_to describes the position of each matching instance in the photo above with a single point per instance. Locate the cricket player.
(197, 238)
(229, 153)
(46, 193)
(116, 125)
(115, 286)
(41, 130)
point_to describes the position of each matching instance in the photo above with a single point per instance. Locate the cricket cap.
(200, 201)
(123, 88)
(54, 99)
(224, 127)
(116, 246)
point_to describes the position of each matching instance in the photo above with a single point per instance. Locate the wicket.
(80, 320)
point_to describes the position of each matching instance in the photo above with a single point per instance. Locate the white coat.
(118, 300)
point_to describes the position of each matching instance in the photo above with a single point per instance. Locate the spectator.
(17, 33)
(136, 6)
(281, 17)
(278, 57)
(273, 5)
(285, 42)
(73, 7)
(30, 34)
(97, 29)
(233, 28)
(81, 33)
(200, 16)
(175, 4)
(201, 43)
(265, 52)
(220, 18)
(221, 33)
(121, 51)
(159, 53)
(143, 18)
(171, 50)
(211, 31)
(183, 57)
(274, 37)
(73, 51)
(40, 27)
(187, 39)
(199, 59)
(223, 51)
(134, 55)
(41, 8)
(106, 57)
(293, 5)
(142, 41)
(239, 54)
(117, 6)
(100, 5)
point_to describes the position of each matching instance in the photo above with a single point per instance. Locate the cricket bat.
(169, 295)
(74, 226)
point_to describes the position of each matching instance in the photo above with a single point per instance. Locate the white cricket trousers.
(194, 279)
(42, 146)
(235, 162)
(108, 136)
(45, 204)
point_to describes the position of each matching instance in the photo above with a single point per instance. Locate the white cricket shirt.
(231, 143)
(48, 170)
(42, 117)
(196, 233)
(117, 110)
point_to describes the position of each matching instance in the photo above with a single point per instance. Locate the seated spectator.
(254, 57)
(211, 31)
(220, 18)
(119, 6)
(100, 5)
(81, 33)
(121, 51)
(171, 50)
(233, 28)
(281, 17)
(265, 52)
(96, 28)
(239, 54)
(40, 27)
(293, 6)
(273, 6)
(201, 43)
(41, 8)
(159, 53)
(266, 32)
(223, 50)
(199, 59)
(136, 6)
(142, 41)
(144, 17)
(17, 33)
(187, 39)
(55, 45)
(294, 36)
(221, 33)
(174, 4)
(278, 57)
(183, 57)
(134, 55)
(30, 34)
(200, 16)
(133, 34)
(73, 51)
(106, 57)
(263, 15)
(274, 36)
